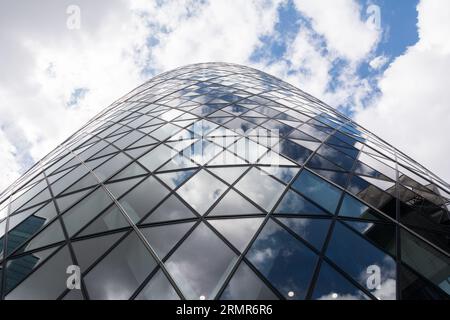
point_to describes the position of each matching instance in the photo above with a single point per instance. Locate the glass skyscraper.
(218, 181)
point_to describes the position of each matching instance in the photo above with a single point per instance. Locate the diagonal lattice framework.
(218, 181)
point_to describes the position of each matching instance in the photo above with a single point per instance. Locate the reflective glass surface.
(218, 181)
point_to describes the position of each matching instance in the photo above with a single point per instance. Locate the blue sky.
(388, 76)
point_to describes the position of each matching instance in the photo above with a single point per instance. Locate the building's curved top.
(216, 180)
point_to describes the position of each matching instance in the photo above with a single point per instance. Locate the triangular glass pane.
(159, 288)
(312, 230)
(285, 174)
(238, 231)
(41, 197)
(331, 285)
(136, 152)
(132, 170)
(143, 142)
(261, 188)
(351, 207)
(202, 190)
(178, 162)
(89, 250)
(293, 203)
(171, 209)
(246, 285)
(111, 219)
(84, 211)
(274, 159)
(157, 157)
(234, 204)
(174, 179)
(285, 262)
(201, 264)
(229, 174)
(52, 234)
(120, 187)
(226, 158)
(163, 238)
(18, 269)
(87, 181)
(66, 201)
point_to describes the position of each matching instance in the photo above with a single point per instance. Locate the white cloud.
(43, 63)
(339, 21)
(225, 30)
(413, 111)
(336, 33)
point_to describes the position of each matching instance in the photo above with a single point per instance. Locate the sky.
(385, 63)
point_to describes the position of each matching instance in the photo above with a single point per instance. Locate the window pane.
(245, 285)
(163, 238)
(317, 190)
(89, 250)
(368, 265)
(48, 282)
(333, 286)
(426, 260)
(279, 257)
(238, 231)
(159, 288)
(143, 198)
(120, 273)
(171, 209)
(85, 211)
(313, 231)
(200, 264)
(293, 203)
(201, 191)
(260, 188)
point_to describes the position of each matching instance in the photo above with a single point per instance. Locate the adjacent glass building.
(218, 181)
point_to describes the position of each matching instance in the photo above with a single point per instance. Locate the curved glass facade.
(218, 181)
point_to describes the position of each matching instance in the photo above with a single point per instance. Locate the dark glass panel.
(317, 190)
(351, 207)
(313, 231)
(425, 260)
(371, 267)
(333, 286)
(279, 257)
(293, 203)
(294, 151)
(415, 287)
(23, 226)
(47, 282)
